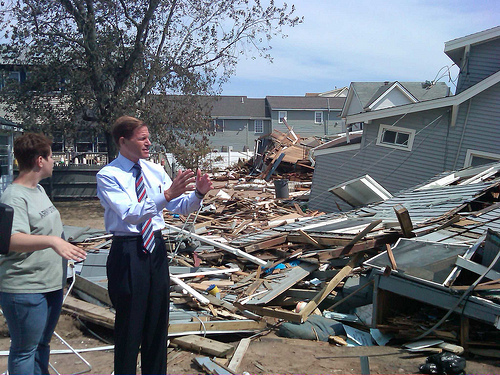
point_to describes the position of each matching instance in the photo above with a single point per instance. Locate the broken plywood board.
(205, 345)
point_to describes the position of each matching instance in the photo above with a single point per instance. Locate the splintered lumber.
(359, 236)
(238, 355)
(287, 315)
(215, 326)
(92, 289)
(266, 244)
(344, 272)
(309, 239)
(220, 245)
(204, 345)
(89, 312)
(404, 220)
(394, 266)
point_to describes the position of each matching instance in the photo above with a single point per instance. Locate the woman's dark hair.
(28, 147)
(125, 126)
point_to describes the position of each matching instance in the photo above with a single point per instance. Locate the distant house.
(307, 115)
(237, 121)
(407, 138)
(7, 131)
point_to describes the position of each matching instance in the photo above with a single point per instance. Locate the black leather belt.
(136, 237)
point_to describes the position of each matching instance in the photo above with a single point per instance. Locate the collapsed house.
(420, 264)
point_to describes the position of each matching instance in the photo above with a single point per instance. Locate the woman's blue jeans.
(31, 318)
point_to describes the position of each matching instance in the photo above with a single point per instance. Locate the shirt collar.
(127, 164)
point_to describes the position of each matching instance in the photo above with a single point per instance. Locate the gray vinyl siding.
(482, 130)
(484, 60)
(329, 171)
(238, 135)
(394, 169)
(303, 123)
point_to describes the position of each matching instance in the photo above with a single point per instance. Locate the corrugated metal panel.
(432, 203)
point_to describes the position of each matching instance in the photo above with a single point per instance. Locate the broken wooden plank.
(310, 240)
(404, 220)
(215, 326)
(394, 266)
(87, 311)
(239, 353)
(94, 290)
(274, 313)
(344, 272)
(266, 244)
(205, 345)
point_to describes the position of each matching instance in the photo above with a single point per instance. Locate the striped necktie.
(146, 227)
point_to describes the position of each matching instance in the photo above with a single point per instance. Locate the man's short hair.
(125, 126)
(28, 147)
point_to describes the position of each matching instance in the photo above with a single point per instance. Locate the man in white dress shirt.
(138, 277)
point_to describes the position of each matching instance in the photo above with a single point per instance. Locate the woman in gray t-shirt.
(33, 273)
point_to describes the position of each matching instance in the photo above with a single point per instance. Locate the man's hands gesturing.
(182, 182)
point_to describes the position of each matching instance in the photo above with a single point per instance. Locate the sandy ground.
(266, 355)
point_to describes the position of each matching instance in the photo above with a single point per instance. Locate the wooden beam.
(94, 290)
(205, 345)
(219, 326)
(394, 266)
(344, 272)
(404, 220)
(274, 313)
(238, 354)
(266, 244)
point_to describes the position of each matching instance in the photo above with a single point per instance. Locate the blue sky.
(341, 42)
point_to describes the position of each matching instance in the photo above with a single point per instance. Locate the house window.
(259, 126)
(475, 158)
(395, 137)
(318, 117)
(219, 125)
(281, 116)
(8, 77)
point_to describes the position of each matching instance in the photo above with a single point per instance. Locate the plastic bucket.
(281, 188)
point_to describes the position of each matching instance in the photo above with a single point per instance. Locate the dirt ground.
(267, 354)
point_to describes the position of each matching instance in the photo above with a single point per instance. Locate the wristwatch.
(198, 194)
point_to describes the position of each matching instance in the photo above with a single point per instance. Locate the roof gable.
(391, 96)
(364, 96)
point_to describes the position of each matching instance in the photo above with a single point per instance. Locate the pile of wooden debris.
(422, 264)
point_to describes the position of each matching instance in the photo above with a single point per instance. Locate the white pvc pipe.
(220, 245)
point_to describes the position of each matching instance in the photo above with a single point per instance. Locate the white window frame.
(316, 117)
(215, 125)
(258, 126)
(410, 132)
(281, 116)
(471, 153)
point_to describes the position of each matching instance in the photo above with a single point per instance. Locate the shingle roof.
(238, 106)
(367, 92)
(305, 102)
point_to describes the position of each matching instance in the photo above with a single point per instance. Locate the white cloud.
(341, 42)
